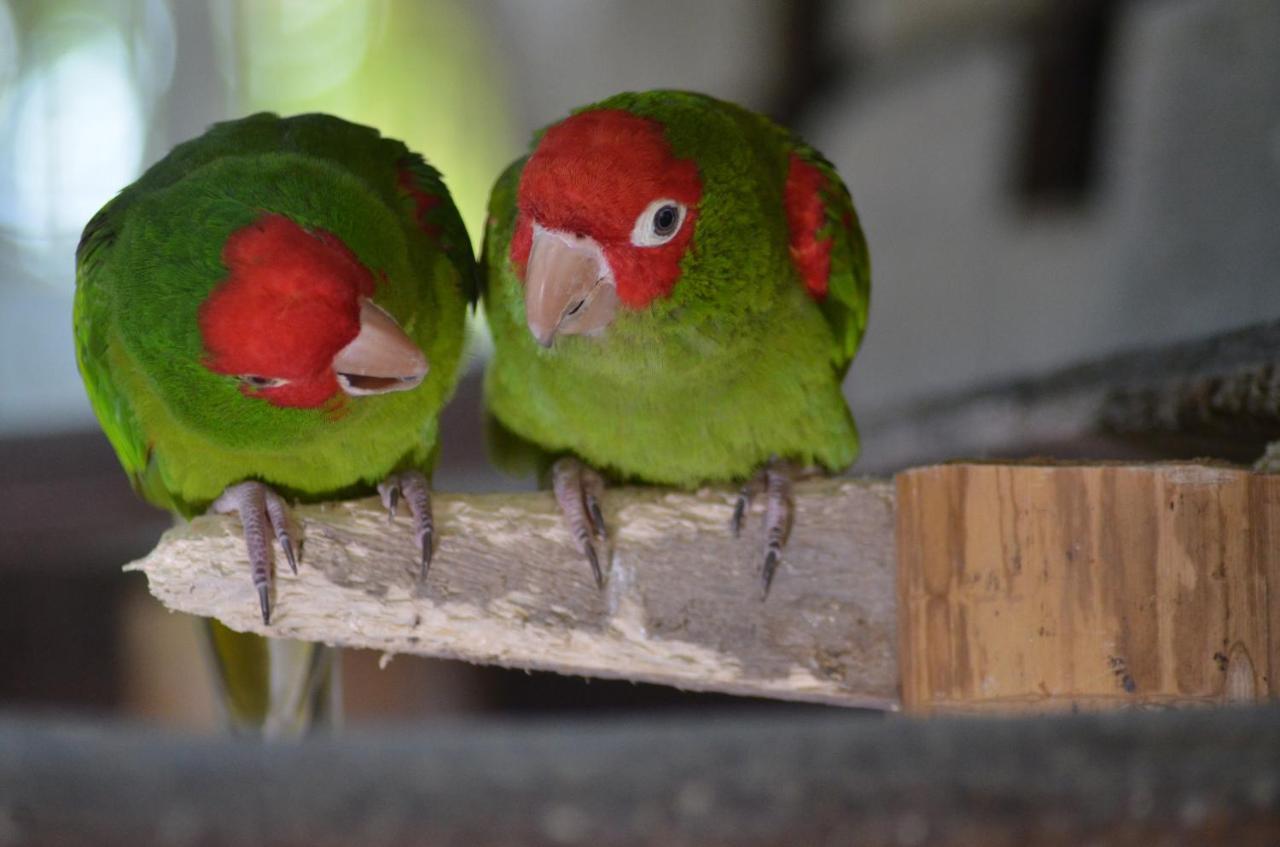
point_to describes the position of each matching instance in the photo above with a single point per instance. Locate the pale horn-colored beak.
(382, 358)
(568, 287)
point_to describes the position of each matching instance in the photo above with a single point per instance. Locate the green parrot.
(275, 311)
(676, 287)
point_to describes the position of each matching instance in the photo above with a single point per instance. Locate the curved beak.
(381, 358)
(568, 287)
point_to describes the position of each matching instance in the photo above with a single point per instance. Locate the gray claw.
(777, 518)
(597, 517)
(773, 480)
(770, 568)
(263, 513)
(739, 510)
(412, 487)
(578, 490)
(592, 493)
(594, 561)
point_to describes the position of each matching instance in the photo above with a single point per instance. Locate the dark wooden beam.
(1178, 778)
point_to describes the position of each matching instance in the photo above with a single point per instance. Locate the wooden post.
(1051, 587)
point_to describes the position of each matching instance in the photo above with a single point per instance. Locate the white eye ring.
(655, 225)
(259, 382)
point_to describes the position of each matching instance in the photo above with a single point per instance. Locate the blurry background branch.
(1215, 397)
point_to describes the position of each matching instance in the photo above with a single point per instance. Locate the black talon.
(739, 511)
(770, 567)
(594, 561)
(597, 517)
(289, 554)
(264, 600)
(393, 502)
(753, 486)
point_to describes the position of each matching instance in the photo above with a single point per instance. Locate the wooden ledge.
(990, 587)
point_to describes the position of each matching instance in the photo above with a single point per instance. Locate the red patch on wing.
(521, 243)
(806, 217)
(423, 202)
(289, 303)
(593, 174)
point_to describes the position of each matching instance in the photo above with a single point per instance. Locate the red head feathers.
(290, 303)
(599, 174)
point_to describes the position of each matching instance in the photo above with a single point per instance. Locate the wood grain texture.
(681, 607)
(1044, 587)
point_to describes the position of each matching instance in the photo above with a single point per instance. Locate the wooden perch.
(1018, 587)
(681, 606)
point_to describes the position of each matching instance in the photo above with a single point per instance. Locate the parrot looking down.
(676, 287)
(276, 310)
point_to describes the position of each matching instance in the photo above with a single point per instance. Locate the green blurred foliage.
(424, 72)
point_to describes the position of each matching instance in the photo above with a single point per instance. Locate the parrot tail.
(274, 688)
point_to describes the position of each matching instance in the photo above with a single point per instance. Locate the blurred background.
(1040, 181)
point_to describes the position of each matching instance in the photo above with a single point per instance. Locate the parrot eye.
(262, 381)
(658, 223)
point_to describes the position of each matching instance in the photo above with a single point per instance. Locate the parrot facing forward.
(676, 287)
(276, 310)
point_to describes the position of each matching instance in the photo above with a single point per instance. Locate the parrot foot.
(579, 490)
(413, 488)
(260, 508)
(775, 481)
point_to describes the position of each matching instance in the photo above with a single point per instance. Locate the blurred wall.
(1178, 236)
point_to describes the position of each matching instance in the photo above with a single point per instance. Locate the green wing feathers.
(439, 217)
(94, 347)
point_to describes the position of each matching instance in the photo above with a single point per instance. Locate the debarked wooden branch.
(681, 605)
